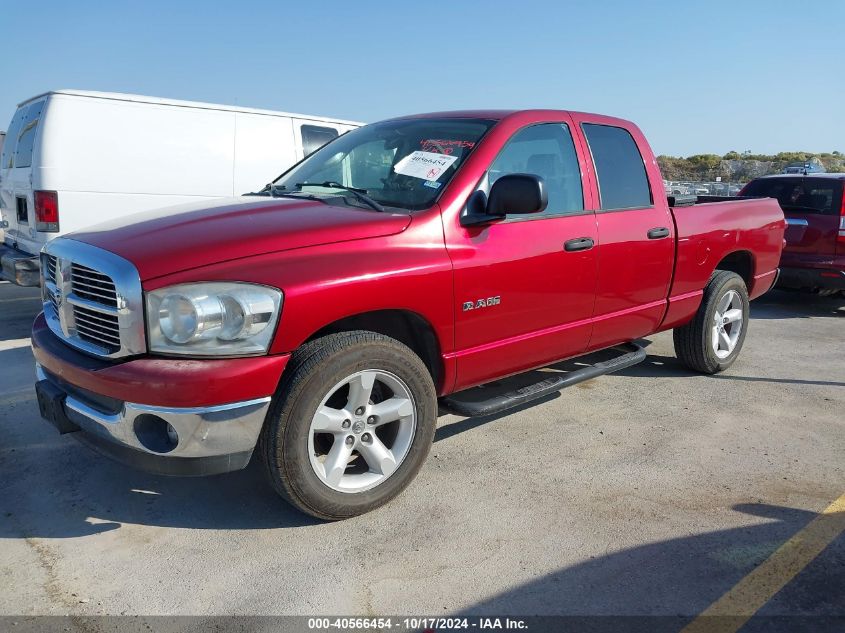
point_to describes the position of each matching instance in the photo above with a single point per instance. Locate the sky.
(696, 76)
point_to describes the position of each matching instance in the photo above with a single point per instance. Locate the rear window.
(623, 183)
(315, 136)
(807, 195)
(20, 137)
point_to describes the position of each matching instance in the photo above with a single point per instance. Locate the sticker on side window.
(424, 165)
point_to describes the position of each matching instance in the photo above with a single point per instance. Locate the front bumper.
(164, 440)
(18, 267)
(794, 277)
(168, 416)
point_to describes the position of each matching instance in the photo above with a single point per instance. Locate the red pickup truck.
(322, 320)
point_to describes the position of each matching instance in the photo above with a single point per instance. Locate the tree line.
(741, 167)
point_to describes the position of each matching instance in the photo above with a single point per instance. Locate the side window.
(315, 136)
(545, 150)
(623, 183)
(26, 139)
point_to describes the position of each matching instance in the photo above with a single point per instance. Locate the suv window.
(26, 138)
(623, 183)
(810, 195)
(545, 150)
(315, 136)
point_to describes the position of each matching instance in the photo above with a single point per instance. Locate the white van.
(73, 158)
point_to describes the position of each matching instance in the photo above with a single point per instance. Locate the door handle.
(578, 244)
(657, 233)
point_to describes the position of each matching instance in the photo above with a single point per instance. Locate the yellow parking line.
(748, 596)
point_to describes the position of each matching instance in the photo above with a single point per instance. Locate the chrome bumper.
(18, 267)
(187, 435)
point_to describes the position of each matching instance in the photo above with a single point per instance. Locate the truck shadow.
(788, 304)
(679, 578)
(83, 494)
(663, 366)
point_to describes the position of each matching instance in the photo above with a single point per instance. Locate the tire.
(694, 342)
(300, 446)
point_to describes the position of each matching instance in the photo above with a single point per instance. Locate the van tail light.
(47, 211)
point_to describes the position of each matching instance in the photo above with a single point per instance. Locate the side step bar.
(631, 355)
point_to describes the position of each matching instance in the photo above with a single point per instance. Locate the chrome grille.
(91, 285)
(97, 327)
(50, 274)
(92, 299)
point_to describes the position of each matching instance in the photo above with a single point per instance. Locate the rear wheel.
(352, 424)
(711, 342)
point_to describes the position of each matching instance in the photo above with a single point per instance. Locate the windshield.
(403, 163)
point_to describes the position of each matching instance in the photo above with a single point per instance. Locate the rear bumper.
(18, 267)
(792, 277)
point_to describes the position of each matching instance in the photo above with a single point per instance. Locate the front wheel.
(711, 342)
(351, 425)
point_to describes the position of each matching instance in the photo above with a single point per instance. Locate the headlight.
(214, 318)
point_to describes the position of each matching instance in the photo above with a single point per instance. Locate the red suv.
(814, 206)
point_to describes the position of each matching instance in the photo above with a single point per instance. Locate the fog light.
(155, 434)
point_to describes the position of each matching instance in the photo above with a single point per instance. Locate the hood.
(173, 239)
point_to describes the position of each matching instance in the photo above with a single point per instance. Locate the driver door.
(525, 285)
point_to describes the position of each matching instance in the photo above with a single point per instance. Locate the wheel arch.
(740, 262)
(406, 326)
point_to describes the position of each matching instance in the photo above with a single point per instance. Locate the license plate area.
(51, 405)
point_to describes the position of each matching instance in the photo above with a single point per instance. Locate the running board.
(631, 355)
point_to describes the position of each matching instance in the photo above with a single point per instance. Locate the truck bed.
(744, 235)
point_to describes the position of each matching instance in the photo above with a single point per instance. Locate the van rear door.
(16, 192)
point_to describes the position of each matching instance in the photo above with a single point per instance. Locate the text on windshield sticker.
(444, 145)
(424, 165)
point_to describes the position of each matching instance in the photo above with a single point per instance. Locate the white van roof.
(119, 96)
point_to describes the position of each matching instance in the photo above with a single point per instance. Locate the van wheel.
(711, 342)
(350, 426)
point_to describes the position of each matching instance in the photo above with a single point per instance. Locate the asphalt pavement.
(652, 491)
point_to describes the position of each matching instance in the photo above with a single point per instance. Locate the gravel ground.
(651, 491)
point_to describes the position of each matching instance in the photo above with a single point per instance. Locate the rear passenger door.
(636, 243)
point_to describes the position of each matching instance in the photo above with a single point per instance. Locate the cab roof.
(498, 114)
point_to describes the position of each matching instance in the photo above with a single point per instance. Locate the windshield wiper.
(269, 190)
(360, 194)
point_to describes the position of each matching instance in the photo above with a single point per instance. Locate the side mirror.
(514, 193)
(517, 193)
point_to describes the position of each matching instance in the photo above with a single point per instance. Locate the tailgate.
(16, 195)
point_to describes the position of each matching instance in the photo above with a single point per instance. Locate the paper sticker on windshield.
(424, 165)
